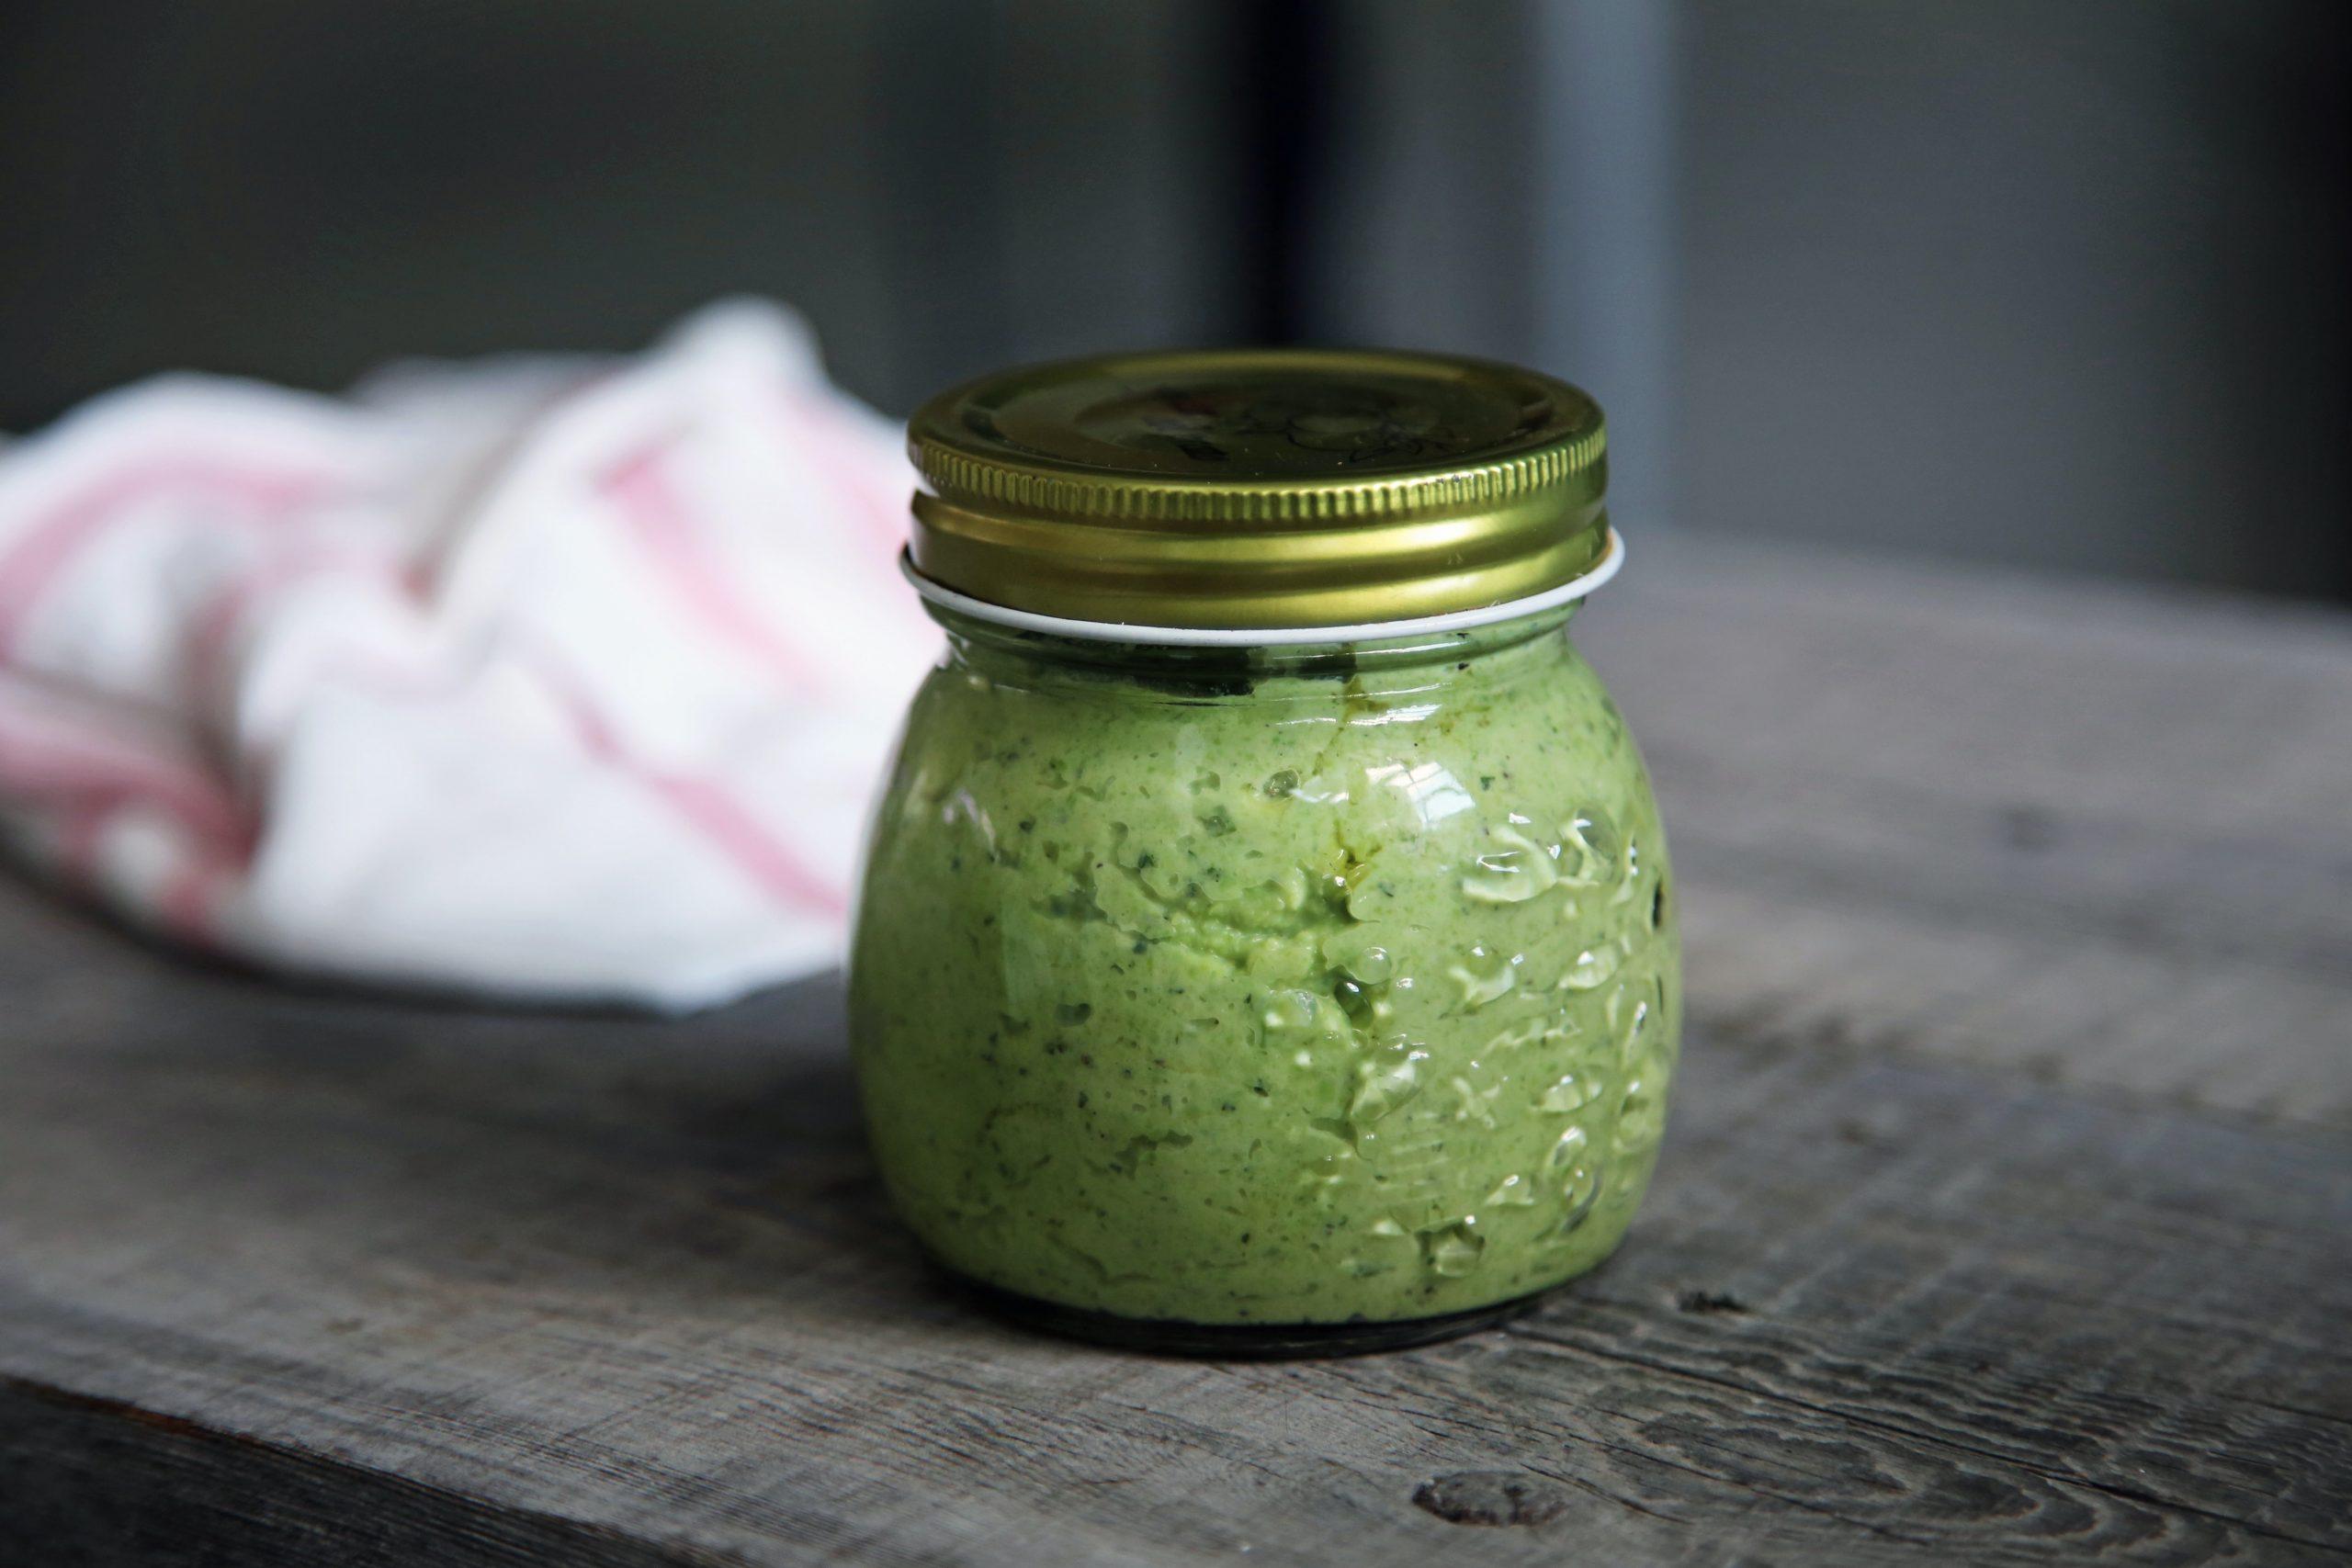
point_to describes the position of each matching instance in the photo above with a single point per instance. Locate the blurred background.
(2058, 283)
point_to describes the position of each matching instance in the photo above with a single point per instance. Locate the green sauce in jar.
(1291, 983)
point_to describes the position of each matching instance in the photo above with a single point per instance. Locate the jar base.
(1235, 1341)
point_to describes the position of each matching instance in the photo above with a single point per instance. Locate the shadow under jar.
(1267, 943)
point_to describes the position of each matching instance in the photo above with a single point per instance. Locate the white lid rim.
(1611, 558)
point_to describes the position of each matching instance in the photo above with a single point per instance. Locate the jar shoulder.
(1411, 753)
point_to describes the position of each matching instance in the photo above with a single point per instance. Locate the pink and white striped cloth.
(555, 680)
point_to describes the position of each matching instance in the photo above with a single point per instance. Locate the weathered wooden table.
(2006, 1216)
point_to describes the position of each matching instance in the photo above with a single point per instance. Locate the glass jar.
(1263, 988)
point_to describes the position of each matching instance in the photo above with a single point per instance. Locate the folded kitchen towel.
(556, 680)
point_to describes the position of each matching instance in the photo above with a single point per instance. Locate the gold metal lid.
(1258, 488)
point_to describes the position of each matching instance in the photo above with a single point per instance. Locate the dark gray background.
(2052, 282)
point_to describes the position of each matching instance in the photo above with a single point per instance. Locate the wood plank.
(2186, 708)
(2098, 833)
(636, 1281)
(123, 1485)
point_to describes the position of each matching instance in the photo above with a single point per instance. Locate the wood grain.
(2004, 1216)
